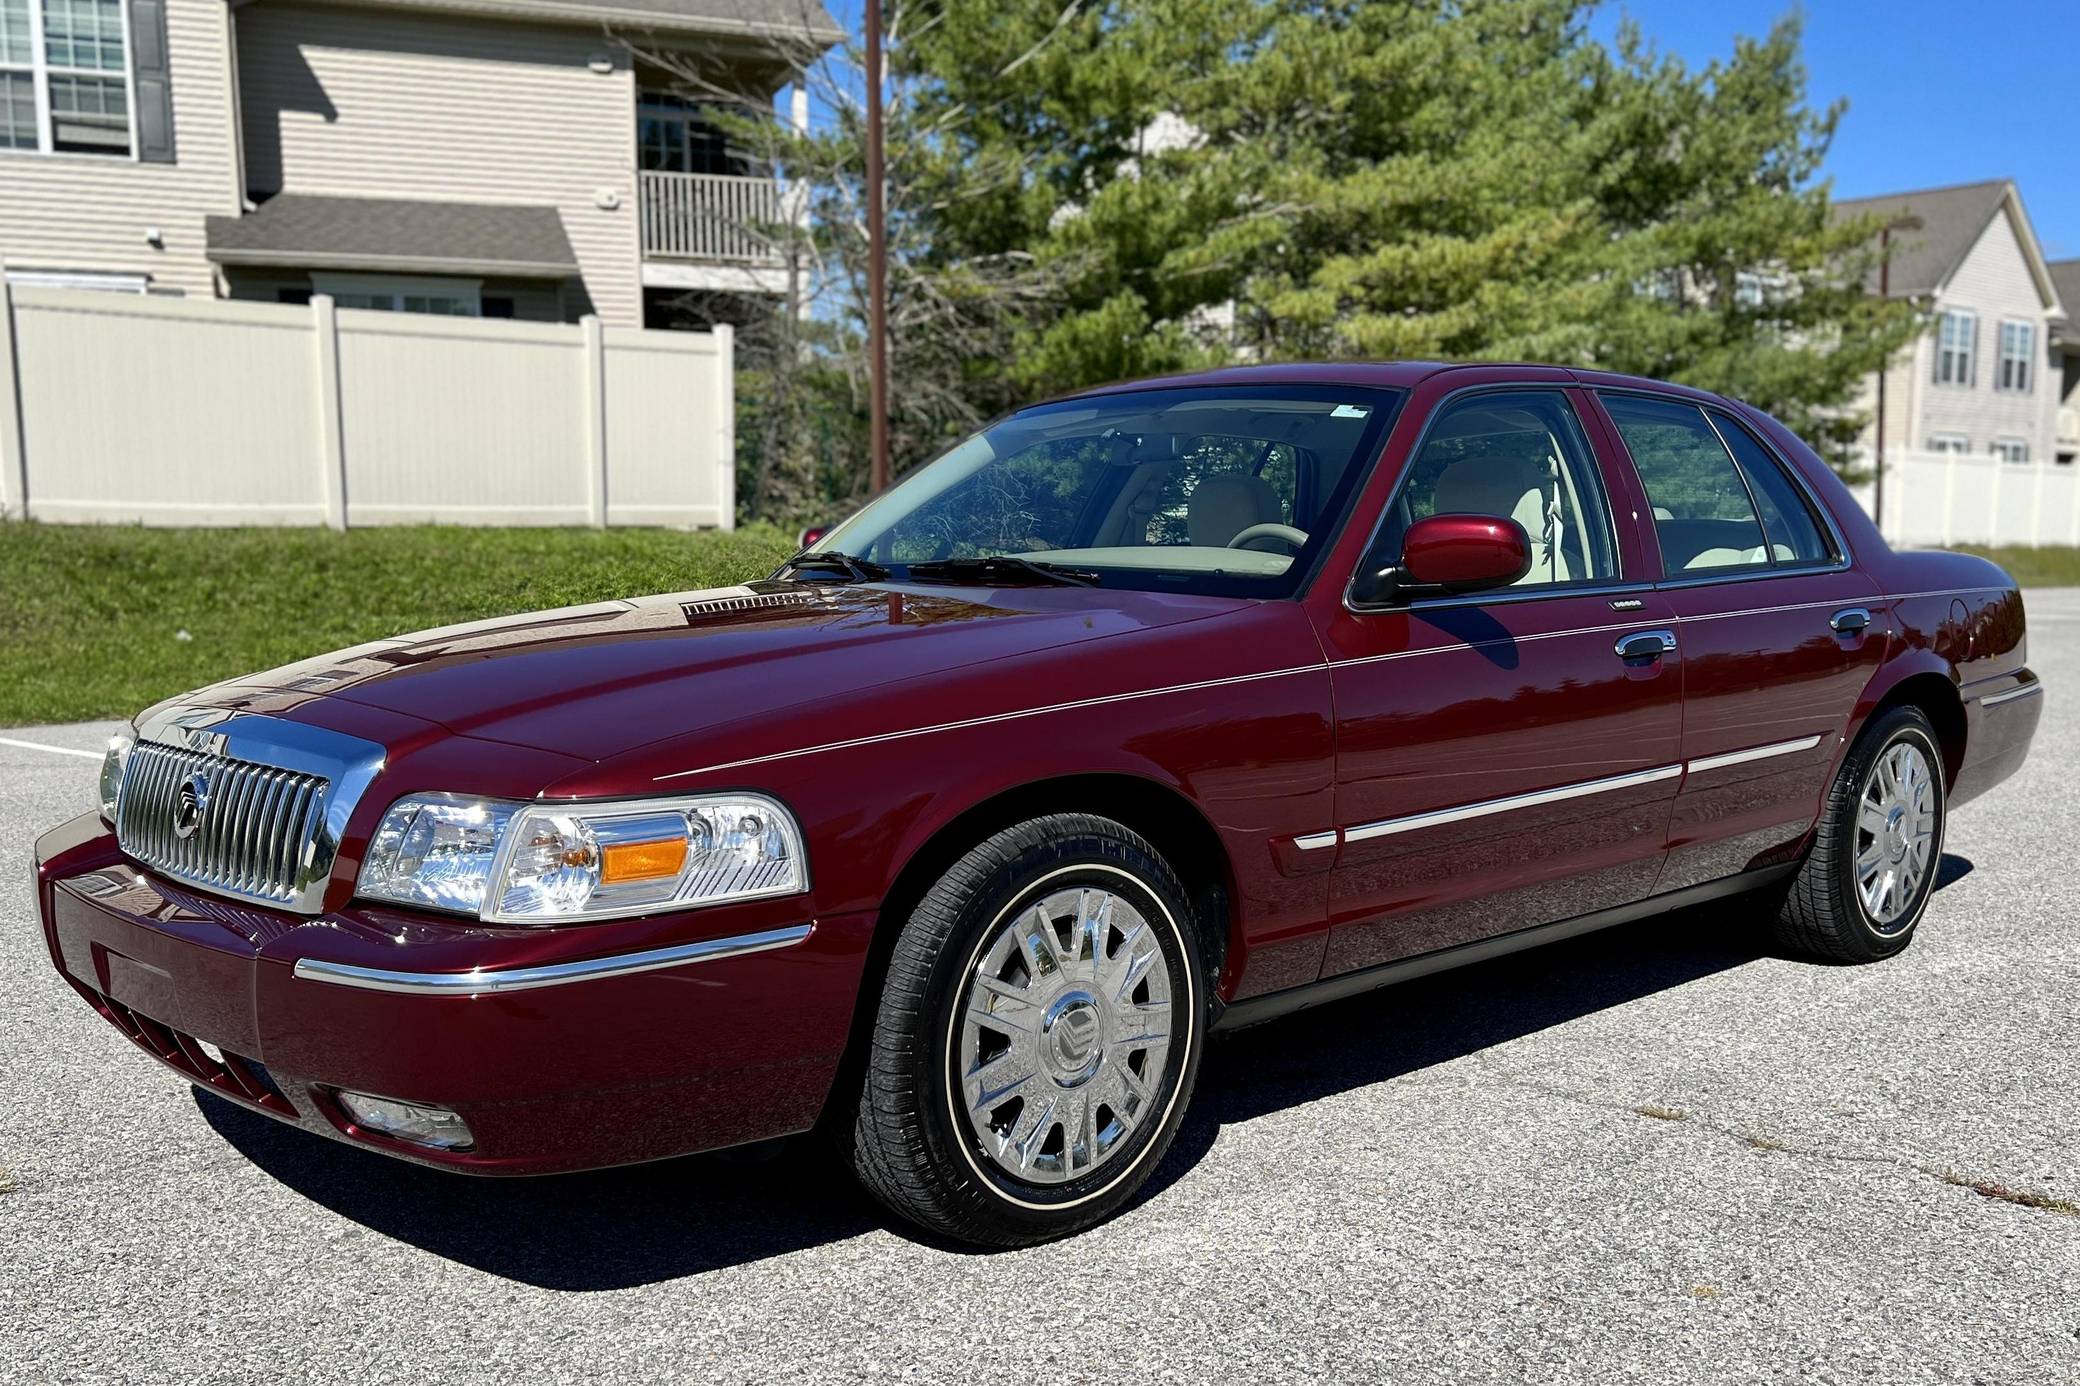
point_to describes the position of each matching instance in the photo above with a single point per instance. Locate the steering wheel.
(1296, 537)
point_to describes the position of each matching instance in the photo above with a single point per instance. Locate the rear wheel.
(1038, 1036)
(1862, 889)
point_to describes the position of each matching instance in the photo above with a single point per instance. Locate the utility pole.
(877, 262)
(1905, 223)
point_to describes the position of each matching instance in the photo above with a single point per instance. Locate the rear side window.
(1704, 515)
(1794, 534)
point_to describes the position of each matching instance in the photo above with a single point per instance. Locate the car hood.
(597, 681)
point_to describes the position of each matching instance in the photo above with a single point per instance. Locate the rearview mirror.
(1447, 554)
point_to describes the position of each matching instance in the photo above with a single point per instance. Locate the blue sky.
(1938, 92)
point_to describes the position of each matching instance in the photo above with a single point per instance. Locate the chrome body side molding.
(1775, 748)
(1389, 826)
(480, 983)
(2028, 689)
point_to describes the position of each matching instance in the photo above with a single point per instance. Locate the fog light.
(434, 1127)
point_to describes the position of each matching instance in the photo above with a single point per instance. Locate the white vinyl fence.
(1936, 498)
(178, 411)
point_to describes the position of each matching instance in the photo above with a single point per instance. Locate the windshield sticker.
(1349, 411)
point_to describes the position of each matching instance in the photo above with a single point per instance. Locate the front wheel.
(1038, 1036)
(1864, 885)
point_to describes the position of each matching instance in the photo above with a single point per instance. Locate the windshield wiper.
(1004, 568)
(829, 560)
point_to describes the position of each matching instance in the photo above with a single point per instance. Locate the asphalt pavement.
(1659, 1154)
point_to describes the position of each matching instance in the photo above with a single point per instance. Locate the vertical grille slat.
(255, 829)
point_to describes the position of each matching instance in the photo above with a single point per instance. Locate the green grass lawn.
(2050, 566)
(100, 621)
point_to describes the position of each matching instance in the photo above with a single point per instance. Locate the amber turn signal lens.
(641, 861)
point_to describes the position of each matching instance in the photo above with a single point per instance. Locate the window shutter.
(152, 80)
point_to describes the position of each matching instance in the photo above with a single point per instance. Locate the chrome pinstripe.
(1202, 684)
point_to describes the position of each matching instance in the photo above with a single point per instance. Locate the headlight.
(113, 761)
(541, 863)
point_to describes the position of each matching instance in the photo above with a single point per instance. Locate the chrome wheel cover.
(1895, 834)
(1064, 1035)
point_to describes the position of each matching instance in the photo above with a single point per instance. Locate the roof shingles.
(1924, 256)
(312, 232)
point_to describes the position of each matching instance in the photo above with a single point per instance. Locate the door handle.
(1646, 644)
(1849, 620)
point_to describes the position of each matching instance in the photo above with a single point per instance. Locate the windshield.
(1219, 490)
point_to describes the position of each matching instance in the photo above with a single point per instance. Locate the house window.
(1949, 443)
(672, 136)
(1956, 336)
(449, 298)
(2018, 346)
(65, 77)
(2011, 449)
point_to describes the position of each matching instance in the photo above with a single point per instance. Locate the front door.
(1500, 763)
(1779, 636)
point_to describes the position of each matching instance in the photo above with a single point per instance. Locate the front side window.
(1520, 455)
(1221, 491)
(1956, 336)
(64, 77)
(2018, 351)
(1704, 514)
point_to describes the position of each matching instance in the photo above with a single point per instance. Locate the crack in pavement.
(1929, 1167)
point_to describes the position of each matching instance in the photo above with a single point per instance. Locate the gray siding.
(384, 103)
(90, 212)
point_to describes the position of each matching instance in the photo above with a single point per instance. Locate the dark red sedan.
(1152, 711)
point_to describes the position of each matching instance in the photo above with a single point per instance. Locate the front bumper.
(563, 1048)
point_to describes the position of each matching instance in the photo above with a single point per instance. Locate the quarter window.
(1704, 514)
(2018, 351)
(1794, 534)
(1957, 334)
(64, 77)
(1520, 455)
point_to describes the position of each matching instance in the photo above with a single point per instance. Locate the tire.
(1827, 911)
(1111, 1032)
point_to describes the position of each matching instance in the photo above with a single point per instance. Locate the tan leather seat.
(1224, 505)
(1515, 489)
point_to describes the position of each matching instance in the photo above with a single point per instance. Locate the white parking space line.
(54, 750)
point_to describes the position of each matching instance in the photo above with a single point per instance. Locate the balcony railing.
(712, 216)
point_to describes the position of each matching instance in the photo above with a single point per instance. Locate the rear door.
(1499, 763)
(1779, 635)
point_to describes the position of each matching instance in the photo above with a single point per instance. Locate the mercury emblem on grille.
(187, 810)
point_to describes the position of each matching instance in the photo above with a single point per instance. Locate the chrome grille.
(253, 835)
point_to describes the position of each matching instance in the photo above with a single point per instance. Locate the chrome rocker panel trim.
(480, 983)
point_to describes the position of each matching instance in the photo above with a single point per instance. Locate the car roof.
(1400, 375)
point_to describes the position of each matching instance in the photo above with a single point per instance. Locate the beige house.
(1988, 377)
(2065, 277)
(494, 158)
